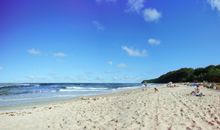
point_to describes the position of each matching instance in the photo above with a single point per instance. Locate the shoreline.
(170, 108)
(62, 92)
(53, 101)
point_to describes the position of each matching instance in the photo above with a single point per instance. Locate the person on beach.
(144, 85)
(170, 84)
(197, 91)
(156, 90)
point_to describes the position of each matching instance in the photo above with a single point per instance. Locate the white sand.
(169, 109)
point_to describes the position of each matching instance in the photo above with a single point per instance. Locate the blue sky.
(105, 40)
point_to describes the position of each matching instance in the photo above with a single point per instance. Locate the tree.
(210, 73)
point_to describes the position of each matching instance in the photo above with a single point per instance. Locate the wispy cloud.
(134, 52)
(135, 5)
(215, 4)
(122, 65)
(151, 15)
(34, 51)
(59, 54)
(110, 62)
(153, 41)
(98, 25)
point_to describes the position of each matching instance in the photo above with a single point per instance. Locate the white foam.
(73, 87)
(78, 90)
(125, 88)
(88, 88)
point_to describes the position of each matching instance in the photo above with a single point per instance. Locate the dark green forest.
(209, 74)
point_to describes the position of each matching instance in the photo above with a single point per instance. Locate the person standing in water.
(145, 84)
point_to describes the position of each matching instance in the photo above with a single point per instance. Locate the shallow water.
(18, 94)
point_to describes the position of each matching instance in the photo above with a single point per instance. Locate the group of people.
(197, 91)
(210, 85)
(171, 85)
(145, 86)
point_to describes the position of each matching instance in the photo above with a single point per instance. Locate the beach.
(144, 109)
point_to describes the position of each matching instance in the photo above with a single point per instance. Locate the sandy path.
(169, 109)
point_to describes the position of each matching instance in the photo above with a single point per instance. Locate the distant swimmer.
(145, 84)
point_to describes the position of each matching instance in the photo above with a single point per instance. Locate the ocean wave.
(17, 93)
(79, 90)
(87, 88)
(126, 88)
(12, 85)
(94, 89)
(73, 87)
(37, 85)
(24, 84)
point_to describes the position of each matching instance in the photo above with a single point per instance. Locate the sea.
(29, 93)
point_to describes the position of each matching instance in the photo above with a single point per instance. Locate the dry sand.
(169, 109)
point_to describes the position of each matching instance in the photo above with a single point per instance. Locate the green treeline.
(210, 74)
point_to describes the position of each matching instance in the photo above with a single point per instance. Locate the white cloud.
(98, 25)
(215, 4)
(122, 65)
(110, 62)
(59, 54)
(151, 15)
(34, 51)
(153, 41)
(134, 52)
(135, 5)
